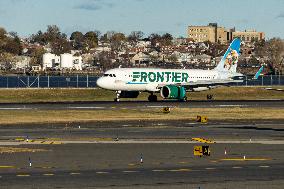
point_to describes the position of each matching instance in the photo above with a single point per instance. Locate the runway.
(145, 153)
(108, 155)
(140, 104)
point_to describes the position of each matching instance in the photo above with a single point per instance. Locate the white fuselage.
(148, 79)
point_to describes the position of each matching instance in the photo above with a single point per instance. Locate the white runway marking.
(264, 166)
(17, 108)
(87, 107)
(237, 167)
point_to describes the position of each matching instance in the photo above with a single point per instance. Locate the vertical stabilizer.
(230, 59)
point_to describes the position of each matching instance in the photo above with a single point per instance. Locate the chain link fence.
(90, 81)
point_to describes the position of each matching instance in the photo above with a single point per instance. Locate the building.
(211, 33)
(215, 34)
(249, 35)
(65, 61)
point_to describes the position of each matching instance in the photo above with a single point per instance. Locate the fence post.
(7, 84)
(48, 81)
(38, 81)
(279, 82)
(28, 82)
(87, 81)
(77, 81)
(271, 81)
(262, 80)
(246, 81)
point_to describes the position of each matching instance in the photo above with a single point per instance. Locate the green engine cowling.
(173, 92)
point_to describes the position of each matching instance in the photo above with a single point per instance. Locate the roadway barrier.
(87, 81)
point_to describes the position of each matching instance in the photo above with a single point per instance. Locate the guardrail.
(90, 81)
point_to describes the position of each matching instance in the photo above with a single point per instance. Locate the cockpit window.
(109, 75)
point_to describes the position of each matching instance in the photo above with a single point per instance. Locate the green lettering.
(184, 77)
(152, 76)
(136, 75)
(173, 76)
(168, 76)
(178, 77)
(143, 77)
(160, 77)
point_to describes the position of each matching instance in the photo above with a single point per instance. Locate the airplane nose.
(100, 82)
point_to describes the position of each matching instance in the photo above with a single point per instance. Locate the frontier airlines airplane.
(173, 83)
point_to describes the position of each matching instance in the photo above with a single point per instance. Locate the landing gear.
(152, 98)
(117, 99)
(209, 96)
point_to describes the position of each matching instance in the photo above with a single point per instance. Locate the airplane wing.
(206, 83)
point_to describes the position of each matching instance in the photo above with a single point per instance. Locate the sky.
(150, 16)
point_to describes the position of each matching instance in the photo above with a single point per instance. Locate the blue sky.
(159, 16)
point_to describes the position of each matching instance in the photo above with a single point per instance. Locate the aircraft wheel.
(153, 98)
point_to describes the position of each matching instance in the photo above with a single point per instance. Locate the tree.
(155, 39)
(166, 39)
(274, 49)
(90, 40)
(78, 40)
(60, 46)
(135, 36)
(117, 40)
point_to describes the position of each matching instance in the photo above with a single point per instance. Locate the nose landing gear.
(117, 99)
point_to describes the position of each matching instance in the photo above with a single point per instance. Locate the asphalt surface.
(244, 154)
(141, 104)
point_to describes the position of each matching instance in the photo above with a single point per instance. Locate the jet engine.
(173, 92)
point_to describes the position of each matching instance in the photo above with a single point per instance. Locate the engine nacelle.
(173, 92)
(129, 94)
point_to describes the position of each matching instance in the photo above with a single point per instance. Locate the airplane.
(173, 83)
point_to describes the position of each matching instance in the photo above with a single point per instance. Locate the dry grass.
(61, 95)
(67, 116)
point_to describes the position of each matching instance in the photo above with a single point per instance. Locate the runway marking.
(237, 167)
(210, 168)
(264, 166)
(132, 164)
(48, 174)
(23, 175)
(89, 107)
(159, 170)
(247, 159)
(203, 140)
(179, 170)
(102, 172)
(75, 173)
(183, 162)
(16, 108)
(130, 171)
(6, 167)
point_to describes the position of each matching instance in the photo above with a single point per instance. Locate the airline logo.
(150, 77)
(231, 59)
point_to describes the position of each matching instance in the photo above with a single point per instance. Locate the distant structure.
(215, 34)
(64, 61)
(249, 35)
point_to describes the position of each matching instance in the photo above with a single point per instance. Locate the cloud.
(281, 15)
(94, 5)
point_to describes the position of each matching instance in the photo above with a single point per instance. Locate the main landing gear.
(152, 98)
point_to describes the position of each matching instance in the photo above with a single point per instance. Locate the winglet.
(258, 73)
